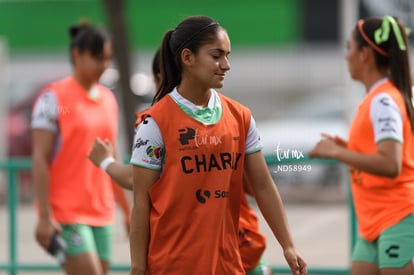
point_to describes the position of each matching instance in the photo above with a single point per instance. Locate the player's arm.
(271, 206)
(139, 237)
(121, 174)
(103, 155)
(146, 171)
(44, 134)
(259, 179)
(43, 142)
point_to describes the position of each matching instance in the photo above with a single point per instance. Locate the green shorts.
(81, 238)
(393, 249)
(261, 269)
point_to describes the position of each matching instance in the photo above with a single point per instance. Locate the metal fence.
(13, 166)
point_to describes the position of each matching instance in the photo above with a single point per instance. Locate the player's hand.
(337, 139)
(328, 147)
(100, 150)
(45, 229)
(296, 263)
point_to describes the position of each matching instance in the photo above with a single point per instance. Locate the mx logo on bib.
(188, 134)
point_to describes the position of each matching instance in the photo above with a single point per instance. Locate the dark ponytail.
(391, 54)
(400, 71)
(170, 69)
(192, 33)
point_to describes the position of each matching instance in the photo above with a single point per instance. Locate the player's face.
(353, 57)
(91, 67)
(211, 62)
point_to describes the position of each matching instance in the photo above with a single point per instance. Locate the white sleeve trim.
(45, 113)
(148, 148)
(253, 142)
(386, 118)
